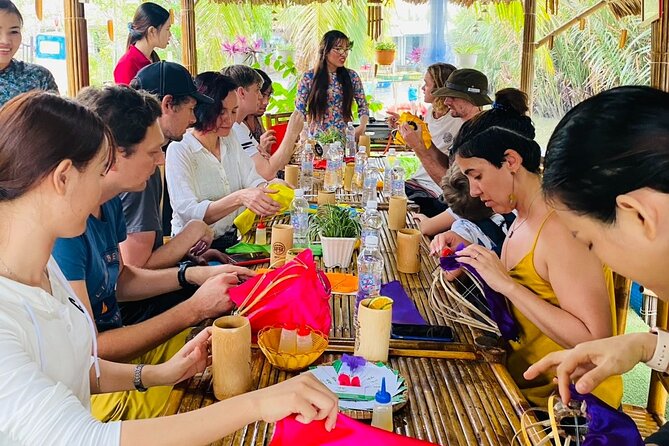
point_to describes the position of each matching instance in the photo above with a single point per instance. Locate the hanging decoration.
(623, 39)
(110, 29)
(581, 24)
(38, 9)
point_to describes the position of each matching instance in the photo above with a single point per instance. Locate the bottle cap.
(371, 204)
(382, 397)
(261, 225)
(362, 149)
(303, 331)
(299, 193)
(372, 241)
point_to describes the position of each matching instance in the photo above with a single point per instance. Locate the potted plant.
(466, 54)
(339, 229)
(385, 52)
(324, 139)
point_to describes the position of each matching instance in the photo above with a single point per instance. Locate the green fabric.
(410, 165)
(246, 248)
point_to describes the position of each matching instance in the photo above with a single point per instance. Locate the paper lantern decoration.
(38, 9)
(110, 29)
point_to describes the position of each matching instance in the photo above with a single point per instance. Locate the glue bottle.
(382, 417)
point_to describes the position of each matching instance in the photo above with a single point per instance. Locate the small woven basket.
(268, 341)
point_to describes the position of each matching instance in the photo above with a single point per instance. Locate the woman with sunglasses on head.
(326, 93)
(54, 154)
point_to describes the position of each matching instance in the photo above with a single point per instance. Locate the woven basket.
(268, 341)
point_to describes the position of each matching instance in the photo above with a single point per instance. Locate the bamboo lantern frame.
(374, 18)
(76, 47)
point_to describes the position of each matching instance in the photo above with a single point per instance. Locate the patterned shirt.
(19, 77)
(334, 117)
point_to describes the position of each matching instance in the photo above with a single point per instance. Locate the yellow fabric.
(534, 344)
(134, 405)
(284, 197)
(418, 124)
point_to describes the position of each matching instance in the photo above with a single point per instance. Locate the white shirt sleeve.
(38, 410)
(246, 139)
(180, 178)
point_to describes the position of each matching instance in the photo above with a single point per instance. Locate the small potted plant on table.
(339, 229)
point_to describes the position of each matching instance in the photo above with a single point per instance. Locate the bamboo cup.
(364, 140)
(291, 174)
(231, 356)
(325, 197)
(348, 176)
(293, 252)
(282, 241)
(408, 247)
(397, 213)
(372, 338)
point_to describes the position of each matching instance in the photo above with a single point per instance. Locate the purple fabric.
(606, 425)
(499, 310)
(404, 310)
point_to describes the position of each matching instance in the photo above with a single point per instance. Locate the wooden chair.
(272, 119)
(648, 419)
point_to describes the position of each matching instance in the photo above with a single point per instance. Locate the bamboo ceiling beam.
(188, 40)
(76, 47)
(527, 57)
(562, 28)
(659, 49)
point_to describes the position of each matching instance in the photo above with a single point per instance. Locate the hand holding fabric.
(489, 266)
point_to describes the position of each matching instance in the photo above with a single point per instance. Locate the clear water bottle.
(340, 163)
(299, 218)
(369, 183)
(397, 181)
(371, 221)
(331, 177)
(359, 170)
(388, 170)
(350, 139)
(307, 167)
(370, 269)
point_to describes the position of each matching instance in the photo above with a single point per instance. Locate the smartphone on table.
(422, 332)
(247, 259)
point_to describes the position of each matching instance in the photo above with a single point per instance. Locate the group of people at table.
(83, 268)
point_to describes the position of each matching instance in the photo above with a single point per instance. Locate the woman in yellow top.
(557, 290)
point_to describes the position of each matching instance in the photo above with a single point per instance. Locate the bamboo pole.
(659, 48)
(76, 47)
(562, 28)
(188, 41)
(657, 395)
(527, 58)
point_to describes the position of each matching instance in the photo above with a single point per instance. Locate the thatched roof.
(620, 8)
(299, 2)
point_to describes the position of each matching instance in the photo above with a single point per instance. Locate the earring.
(512, 195)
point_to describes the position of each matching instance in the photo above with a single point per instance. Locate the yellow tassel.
(110, 29)
(581, 24)
(171, 16)
(623, 39)
(38, 9)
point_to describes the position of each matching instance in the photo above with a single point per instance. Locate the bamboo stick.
(188, 38)
(76, 46)
(659, 62)
(562, 28)
(527, 56)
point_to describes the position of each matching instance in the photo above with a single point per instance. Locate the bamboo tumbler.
(282, 241)
(397, 213)
(325, 197)
(294, 252)
(348, 176)
(231, 356)
(372, 338)
(408, 249)
(364, 140)
(291, 174)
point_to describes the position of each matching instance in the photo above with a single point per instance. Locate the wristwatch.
(181, 274)
(138, 378)
(660, 359)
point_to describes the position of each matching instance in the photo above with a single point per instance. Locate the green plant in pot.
(467, 53)
(385, 52)
(339, 229)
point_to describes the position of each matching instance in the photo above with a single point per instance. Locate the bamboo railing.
(76, 47)
(188, 40)
(659, 49)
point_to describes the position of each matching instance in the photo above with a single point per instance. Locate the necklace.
(515, 227)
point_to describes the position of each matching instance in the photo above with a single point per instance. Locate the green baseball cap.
(468, 84)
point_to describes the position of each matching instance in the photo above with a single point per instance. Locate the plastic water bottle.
(340, 164)
(397, 181)
(387, 172)
(369, 183)
(307, 167)
(359, 170)
(299, 218)
(370, 269)
(371, 221)
(331, 173)
(350, 139)
(382, 415)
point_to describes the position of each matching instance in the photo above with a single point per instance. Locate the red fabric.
(303, 299)
(322, 163)
(290, 432)
(129, 64)
(280, 133)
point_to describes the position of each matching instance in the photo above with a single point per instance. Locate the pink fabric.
(303, 299)
(290, 432)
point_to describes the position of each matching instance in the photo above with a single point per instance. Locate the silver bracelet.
(138, 378)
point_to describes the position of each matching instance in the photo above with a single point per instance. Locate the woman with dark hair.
(557, 290)
(16, 76)
(209, 176)
(326, 93)
(607, 175)
(54, 154)
(149, 29)
(254, 120)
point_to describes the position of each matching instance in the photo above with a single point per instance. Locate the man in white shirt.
(248, 93)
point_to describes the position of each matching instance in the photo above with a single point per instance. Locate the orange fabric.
(343, 283)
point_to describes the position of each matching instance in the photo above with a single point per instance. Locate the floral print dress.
(334, 117)
(20, 77)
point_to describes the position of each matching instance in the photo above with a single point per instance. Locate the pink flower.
(416, 55)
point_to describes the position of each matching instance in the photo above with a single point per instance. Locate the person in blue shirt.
(94, 265)
(17, 77)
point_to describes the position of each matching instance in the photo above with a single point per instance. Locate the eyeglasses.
(342, 51)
